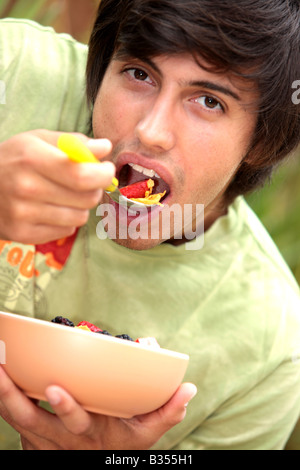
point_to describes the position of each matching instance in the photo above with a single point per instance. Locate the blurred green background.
(66, 16)
(277, 204)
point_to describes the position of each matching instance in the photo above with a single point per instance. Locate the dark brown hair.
(258, 40)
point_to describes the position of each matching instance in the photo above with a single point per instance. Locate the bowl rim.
(109, 339)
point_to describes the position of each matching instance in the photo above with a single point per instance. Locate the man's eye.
(209, 102)
(138, 74)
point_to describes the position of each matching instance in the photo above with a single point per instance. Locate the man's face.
(190, 126)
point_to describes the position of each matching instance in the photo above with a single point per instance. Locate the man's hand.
(43, 195)
(72, 428)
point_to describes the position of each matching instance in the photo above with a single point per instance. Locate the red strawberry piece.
(135, 190)
(92, 327)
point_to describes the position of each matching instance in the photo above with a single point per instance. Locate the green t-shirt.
(232, 305)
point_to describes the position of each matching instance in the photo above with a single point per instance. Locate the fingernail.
(96, 144)
(108, 166)
(53, 397)
(192, 395)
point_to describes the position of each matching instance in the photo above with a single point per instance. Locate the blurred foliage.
(43, 11)
(277, 204)
(69, 16)
(278, 207)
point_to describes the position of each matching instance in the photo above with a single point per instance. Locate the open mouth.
(131, 178)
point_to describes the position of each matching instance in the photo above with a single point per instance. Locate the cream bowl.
(104, 374)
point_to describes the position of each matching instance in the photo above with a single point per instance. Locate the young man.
(196, 95)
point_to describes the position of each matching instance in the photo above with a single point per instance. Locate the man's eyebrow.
(213, 87)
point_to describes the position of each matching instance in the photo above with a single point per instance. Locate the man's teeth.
(144, 171)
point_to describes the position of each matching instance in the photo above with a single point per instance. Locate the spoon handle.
(79, 153)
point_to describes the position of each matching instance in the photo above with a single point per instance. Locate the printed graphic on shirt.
(57, 252)
(21, 264)
(18, 257)
(16, 273)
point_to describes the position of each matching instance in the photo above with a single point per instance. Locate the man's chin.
(148, 228)
(141, 230)
(138, 244)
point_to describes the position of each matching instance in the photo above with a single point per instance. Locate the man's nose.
(156, 128)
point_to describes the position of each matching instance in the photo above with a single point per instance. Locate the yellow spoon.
(79, 153)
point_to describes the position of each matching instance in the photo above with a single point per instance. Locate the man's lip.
(161, 170)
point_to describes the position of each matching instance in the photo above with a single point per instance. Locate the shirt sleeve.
(42, 78)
